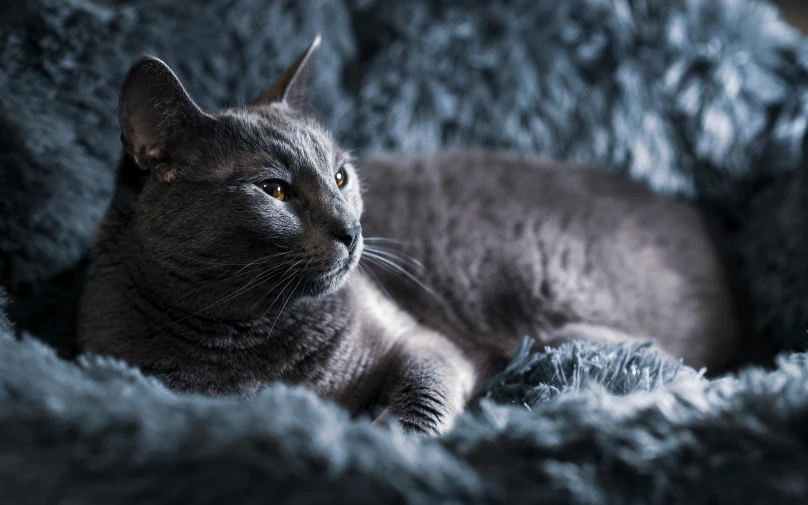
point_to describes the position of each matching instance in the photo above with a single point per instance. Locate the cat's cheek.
(356, 200)
(357, 204)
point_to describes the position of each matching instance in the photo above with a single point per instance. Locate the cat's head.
(260, 190)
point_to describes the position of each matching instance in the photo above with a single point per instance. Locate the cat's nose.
(348, 235)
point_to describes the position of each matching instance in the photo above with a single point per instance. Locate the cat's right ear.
(158, 119)
(290, 85)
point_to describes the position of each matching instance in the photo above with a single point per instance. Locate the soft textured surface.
(704, 100)
(98, 432)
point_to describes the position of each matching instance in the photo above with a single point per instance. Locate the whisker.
(394, 255)
(197, 260)
(291, 294)
(219, 264)
(260, 279)
(385, 267)
(265, 259)
(382, 261)
(285, 276)
(253, 270)
(259, 263)
(385, 239)
(247, 287)
(378, 281)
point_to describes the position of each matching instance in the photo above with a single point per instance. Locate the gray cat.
(228, 259)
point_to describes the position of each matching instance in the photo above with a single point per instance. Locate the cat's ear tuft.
(157, 117)
(289, 87)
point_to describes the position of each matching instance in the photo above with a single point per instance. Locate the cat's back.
(514, 245)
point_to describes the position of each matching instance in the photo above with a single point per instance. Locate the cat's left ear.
(290, 85)
(160, 124)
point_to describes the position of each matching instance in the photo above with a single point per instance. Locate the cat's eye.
(275, 189)
(341, 177)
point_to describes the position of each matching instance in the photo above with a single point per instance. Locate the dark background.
(796, 12)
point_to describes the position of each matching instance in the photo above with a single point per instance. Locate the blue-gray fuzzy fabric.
(705, 100)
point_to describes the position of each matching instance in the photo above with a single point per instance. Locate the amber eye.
(341, 177)
(275, 189)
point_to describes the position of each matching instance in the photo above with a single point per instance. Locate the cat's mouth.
(333, 278)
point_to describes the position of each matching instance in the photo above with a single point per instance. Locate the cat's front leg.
(428, 383)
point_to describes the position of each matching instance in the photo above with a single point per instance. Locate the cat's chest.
(240, 358)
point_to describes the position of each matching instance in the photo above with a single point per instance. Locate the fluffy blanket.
(707, 101)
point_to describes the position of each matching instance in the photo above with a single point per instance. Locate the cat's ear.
(290, 85)
(158, 119)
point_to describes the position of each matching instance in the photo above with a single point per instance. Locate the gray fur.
(203, 280)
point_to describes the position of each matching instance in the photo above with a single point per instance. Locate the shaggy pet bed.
(707, 101)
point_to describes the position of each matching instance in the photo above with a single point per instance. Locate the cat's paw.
(428, 384)
(421, 411)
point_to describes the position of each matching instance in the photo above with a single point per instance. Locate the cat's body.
(514, 246)
(227, 260)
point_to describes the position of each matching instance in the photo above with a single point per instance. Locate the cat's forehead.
(268, 136)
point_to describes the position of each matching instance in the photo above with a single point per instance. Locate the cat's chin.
(334, 279)
(329, 282)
